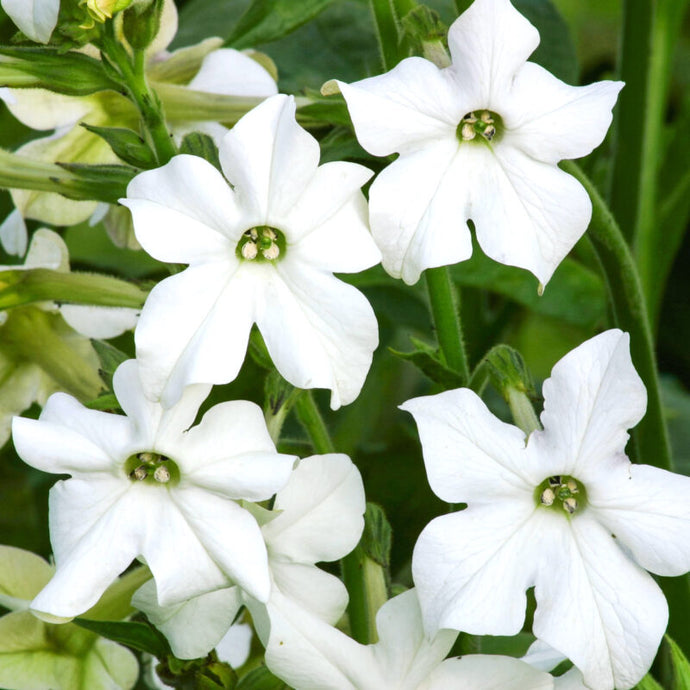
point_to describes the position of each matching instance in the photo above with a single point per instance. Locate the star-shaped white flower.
(316, 517)
(147, 485)
(478, 140)
(260, 251)
(565, 512)
(310, 655)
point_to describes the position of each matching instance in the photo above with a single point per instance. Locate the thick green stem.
(310, 417)
(387, 32)
(630, 311)
(446, 313)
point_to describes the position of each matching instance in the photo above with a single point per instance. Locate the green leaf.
(575, 294)
(110, 358)
(426, 358)
(72, 74)
(556, 51)
(261, 679)
(377, 535)
(681, 666)
(202, 145)
(268, 20)
(140, 636)
(648, 683)
(126, 144)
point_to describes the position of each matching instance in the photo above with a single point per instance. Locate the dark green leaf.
(377, 535)
(126, 144)
(648, 683)
(427, 360)
(556, 51)
(202, 145)
(261, 679)
(268, 20)
(136, 635)
(110, 359)
(681, 666)
(106, 403)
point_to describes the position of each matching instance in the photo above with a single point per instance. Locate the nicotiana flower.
(35, 654)
(316, 517)
(36, 18)
(147, 485)
(564, 511)
(310, 655)
(478, 140)
(260, 251)
(205, 67)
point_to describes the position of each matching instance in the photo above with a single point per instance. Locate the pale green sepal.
(22, 573)
(184, 63)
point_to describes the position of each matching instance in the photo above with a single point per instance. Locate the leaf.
(426, 359)
(110, 358)
(556, 51)
(681, 666)
(140, 636)
(202, 145)
(126, 144)
(261, 679)
(268, 20)
(648, 683)
(575, 294)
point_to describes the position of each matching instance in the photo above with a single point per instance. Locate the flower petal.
(402, 110)
(596, 606)
(489, 42)
(460, 562)
(194, 627)
(184, 212)
(487, 672)
(319, 331)
(71, 439)
(469, 454)
(551, 121)
(593, 395)
(534, 214)
(322, 510)
(36, 18)
(84, 517)
(404, 653)
(13, 234)
(230, 453)
(99, 322)
(269, 159)
(418, 206)
(231, 537)
(228, 71)
(194, 328)
(648, 511)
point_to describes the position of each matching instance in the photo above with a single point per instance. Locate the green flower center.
(262, 243)
(152, 468)
(479, 125)
(561, 493)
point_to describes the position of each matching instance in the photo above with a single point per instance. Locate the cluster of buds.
(562, 488)
(484, 125)
(152, 464)
(263, 240)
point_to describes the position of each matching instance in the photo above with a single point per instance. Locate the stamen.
(570, 504)
(249, 251)
(273, 252)
(547, 497)
(139, 473)
(162, 474)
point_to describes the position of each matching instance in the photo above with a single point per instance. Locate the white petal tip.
(330, 88)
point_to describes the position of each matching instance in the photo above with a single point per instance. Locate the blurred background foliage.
(500, 304)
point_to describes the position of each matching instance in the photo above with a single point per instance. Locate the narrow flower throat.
(152, 468)
(479, 125)
(262, 243)
(561, 493)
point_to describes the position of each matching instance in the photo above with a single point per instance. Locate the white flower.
(310, 655)
(36, 18)
(565, 512)
(479, 139)
(260, 251)
(316, 517)
(147, 485)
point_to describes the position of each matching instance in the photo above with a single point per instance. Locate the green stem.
(631, 316)
(446, 313)
(310, 417)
